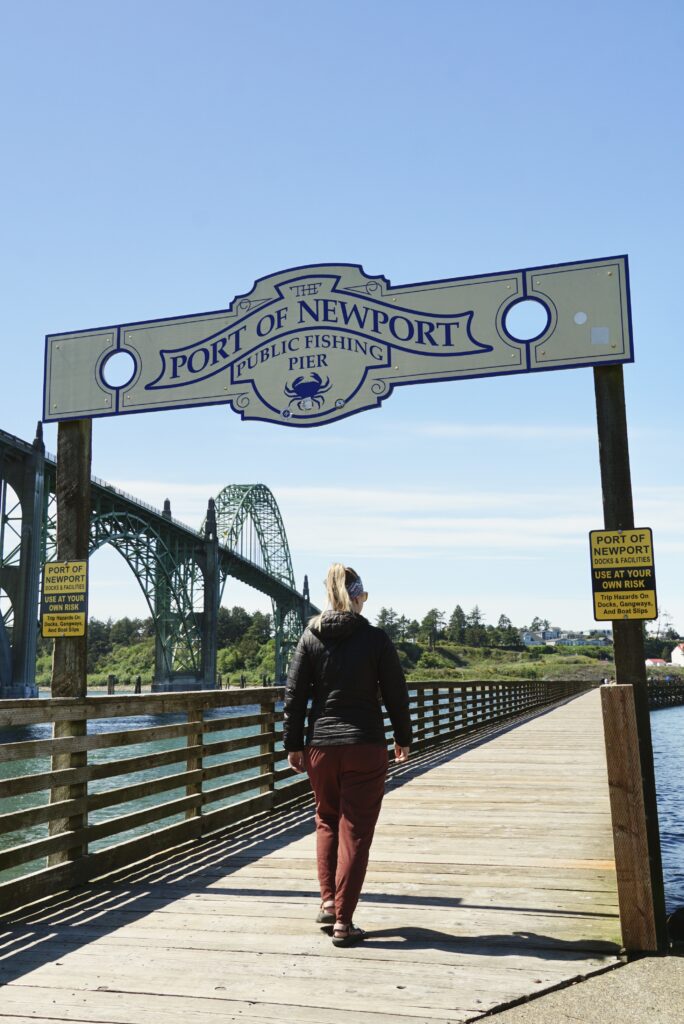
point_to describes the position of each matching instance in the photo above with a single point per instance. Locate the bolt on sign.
(623, 574)
(64, 600)
(314, 344)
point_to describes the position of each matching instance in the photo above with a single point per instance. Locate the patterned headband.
(356, 588)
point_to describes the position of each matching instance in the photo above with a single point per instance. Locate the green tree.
(412, 630)
(387, 619)
(125, 631)
(506, 633)
(457, 624)
(254, 638)
(432, 627)
(99, 642)
(231, 626)
(475, 629)
(402, 627)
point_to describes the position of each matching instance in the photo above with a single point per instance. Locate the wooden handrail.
(197, 753)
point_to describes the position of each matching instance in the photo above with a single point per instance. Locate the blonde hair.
(336, 582)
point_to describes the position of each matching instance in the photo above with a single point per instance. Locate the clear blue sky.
(161, 156)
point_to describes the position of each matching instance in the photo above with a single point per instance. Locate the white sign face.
(311, 345)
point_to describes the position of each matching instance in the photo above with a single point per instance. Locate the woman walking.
(346, 667)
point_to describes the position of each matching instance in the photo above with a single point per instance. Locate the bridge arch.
(181, 571)
(170, 580)
(249, 523)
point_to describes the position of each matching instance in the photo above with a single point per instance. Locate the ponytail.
(337, 581)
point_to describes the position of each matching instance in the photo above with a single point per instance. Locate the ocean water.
(667, 731)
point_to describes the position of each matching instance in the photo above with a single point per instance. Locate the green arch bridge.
(182, 572)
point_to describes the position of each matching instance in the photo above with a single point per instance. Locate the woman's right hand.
(401, 754)
(296, 760)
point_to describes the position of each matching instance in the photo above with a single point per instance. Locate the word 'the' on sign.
(623, 574)
(64, 599)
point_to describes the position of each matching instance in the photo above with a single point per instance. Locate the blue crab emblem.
(307, 393)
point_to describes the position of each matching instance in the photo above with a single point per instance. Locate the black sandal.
(347, 935)
(326, 916)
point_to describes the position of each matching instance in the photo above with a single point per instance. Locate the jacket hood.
(335, 626)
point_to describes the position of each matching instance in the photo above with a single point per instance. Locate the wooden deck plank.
(491, 879)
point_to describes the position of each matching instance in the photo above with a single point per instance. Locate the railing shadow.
(517, 943)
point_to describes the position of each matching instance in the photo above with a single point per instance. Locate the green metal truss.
(249, 523)
(168, 564)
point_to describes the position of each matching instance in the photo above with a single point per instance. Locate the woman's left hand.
(296, 760)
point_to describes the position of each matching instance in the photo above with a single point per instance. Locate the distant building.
(532, 639)
(554, 636)
(677, 655)
(656, 662)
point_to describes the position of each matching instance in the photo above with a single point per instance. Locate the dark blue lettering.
(353, 312)
(395, 320)
(204, 353)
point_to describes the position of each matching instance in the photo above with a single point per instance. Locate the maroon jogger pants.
(348, 783)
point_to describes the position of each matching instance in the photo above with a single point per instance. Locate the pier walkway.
(491, 880)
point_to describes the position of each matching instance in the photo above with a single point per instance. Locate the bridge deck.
(491, 879)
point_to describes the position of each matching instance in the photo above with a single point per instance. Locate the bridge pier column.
(211, 599)
(279, 653)
(162, 609)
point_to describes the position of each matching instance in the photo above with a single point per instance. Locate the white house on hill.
(677, 656)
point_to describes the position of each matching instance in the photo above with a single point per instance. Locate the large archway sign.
(313, 344)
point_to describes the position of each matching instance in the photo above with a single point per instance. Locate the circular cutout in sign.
(118, 369)
(526, 319)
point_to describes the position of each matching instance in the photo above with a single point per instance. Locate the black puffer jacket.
(346, 667)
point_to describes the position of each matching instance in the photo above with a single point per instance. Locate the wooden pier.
(491, 880)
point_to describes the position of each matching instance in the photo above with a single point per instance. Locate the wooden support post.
(194, 759)
(635, 895)
(268, 747)
(420, 722)
(69, 657)
(628, 643)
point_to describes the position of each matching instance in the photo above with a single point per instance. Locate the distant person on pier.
(346, 667)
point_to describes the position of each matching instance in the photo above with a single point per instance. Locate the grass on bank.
(444, 661)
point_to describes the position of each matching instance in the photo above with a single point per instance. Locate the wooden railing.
(90, 785)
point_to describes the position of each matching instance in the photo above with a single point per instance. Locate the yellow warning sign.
(623, 574)
(65, 597)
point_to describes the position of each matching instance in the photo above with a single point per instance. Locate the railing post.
(486, 701)
(435, 712)
(267, 708)
(420, 694)
(194, 760)
(465, 706)
(477, 701)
